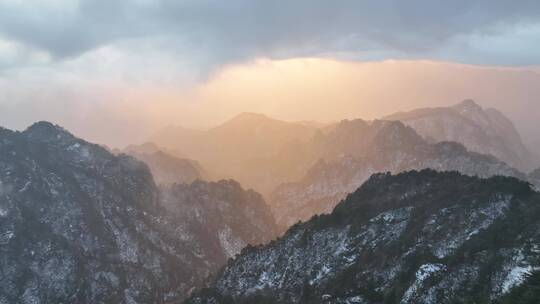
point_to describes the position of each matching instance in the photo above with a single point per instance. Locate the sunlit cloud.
(117, 70)
(121, 111)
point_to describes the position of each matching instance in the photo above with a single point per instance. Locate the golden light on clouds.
(303, 89)
(329, 90)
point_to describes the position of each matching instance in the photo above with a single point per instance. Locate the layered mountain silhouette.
(305, 169)
(485, 131)
(262, 153)
(79, 224)
(167, 168)
(247, 135)
(351, 151)
(415, 237)
(245, 148)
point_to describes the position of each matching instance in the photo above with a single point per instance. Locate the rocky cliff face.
(81, 225)
(356, 149)
(485, 131)
(416, 237)
(229, 216)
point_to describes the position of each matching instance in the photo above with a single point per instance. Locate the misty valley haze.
(252, 152)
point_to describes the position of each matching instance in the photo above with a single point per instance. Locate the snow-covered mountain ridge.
(415, 237)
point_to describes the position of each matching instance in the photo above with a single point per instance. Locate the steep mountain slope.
(483, 131)
(239, 147)
(416, 237)
(166, 168)
(81, 225)
(354, 150)
(230, 216)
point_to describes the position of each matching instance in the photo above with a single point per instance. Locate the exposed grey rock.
(234, 217)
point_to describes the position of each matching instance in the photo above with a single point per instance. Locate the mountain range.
(166, 167)
(263, 153)
(243, 148)
(153, 223)
(79, 224)
(354, 150)
(485, 131)
(305, 169)
(415, 237)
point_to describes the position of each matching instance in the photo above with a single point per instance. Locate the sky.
(115, 71)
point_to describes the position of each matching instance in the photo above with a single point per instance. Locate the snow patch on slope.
(515, 277)
(231, 245)
(422, 274)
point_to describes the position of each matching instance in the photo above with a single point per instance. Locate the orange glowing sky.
(114, 72)
(329, 90)
(317, 89)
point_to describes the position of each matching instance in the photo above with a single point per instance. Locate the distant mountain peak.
(147, 147)
(486, 131)
(247, 120)
(469, 103)
(250, 116)
(470, 109)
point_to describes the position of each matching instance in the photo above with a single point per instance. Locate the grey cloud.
(228, 31)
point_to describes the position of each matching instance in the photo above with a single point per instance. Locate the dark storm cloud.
(225, 31)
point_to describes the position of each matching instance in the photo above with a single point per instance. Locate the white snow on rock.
(231, 245)
(26, 185)
(515, 277)
(73, 147)
(6, 236)
(424, 272)
(474, 224)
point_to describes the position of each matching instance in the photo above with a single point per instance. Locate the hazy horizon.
(313, 89)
